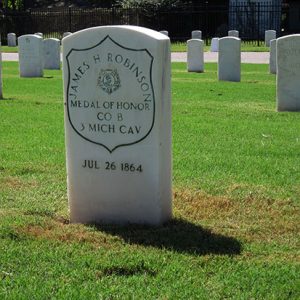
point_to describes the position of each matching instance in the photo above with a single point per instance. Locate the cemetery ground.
(236, 182)
(245, 47)
(177, 47)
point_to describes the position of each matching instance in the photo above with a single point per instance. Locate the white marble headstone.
(11, 40)
(197, 34)
(51, 54)
(229, 60)
(30, 55)
(272, 62)
(269, 35)
(288, 73)
(165, 32)
(118, 125)
(195, 55)
(214, 45)
(233, 33)
(67, 34)
(39, 34)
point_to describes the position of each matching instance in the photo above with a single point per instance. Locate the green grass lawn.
(236, 175)
(6, 49)
(245, 47)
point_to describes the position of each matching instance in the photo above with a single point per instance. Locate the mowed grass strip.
(228, 138)
(179, 47)
(236, 199)
(245, 47)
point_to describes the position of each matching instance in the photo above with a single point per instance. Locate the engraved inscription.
(110, 95)
(109, 80)
(112, 166)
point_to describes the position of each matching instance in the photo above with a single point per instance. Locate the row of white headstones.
(230, 53)
(197, 34)
(36, 54)
(284, 61)
(117, 100)
(12, 38)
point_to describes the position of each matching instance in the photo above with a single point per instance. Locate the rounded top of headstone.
(115, 28)
(65, 34)
(51, 39)
(290, 36)
(164, 32)
(231, 38)
(194, 40)
(29, 36)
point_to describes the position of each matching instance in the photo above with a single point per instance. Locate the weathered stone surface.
(229, 61)
(51, 54)
(214, 45)
(233, 33)
(195, 55)
(165, 32)
(288, 73)
(272, 63)
(118, 125)
(197, 34)
(269, 35)
(66, 34)
(11, 40)
(30, 55)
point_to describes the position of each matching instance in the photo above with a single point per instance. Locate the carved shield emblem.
(110, 96)
(109, 80)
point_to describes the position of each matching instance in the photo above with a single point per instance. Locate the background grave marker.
(269, 35)
(197, 34)
(51, 54)
(195, 55)
(229, 60)
(30, 55)
(233, 33)
(272, 63)
(11, 40)
(288, 73)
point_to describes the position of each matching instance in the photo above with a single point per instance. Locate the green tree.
(13, 4)
(164, 4)
(150, 4)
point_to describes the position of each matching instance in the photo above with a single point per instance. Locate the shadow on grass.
(176, 235)
(7, 99)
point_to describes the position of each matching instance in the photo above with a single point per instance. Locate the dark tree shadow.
(176, 235)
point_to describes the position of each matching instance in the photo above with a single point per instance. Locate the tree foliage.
(150, 5)
(13, 4)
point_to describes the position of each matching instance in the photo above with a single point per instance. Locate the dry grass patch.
(59, 229)
(16, 183)
(252, 219)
